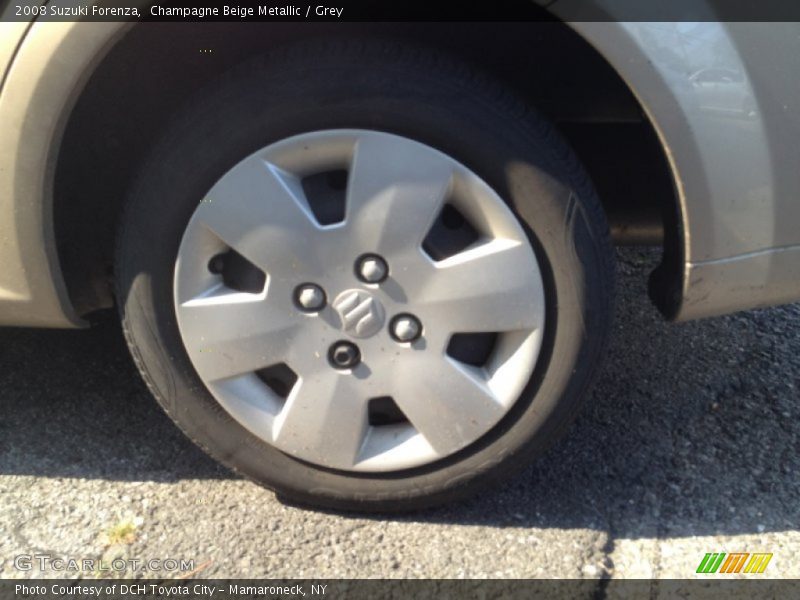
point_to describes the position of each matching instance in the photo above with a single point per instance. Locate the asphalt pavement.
(688, 444)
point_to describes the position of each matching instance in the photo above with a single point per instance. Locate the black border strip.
(405, 10)
(441, 589)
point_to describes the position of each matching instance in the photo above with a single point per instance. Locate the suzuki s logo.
(362, 315)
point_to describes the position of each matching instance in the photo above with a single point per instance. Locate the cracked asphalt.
(689, 443)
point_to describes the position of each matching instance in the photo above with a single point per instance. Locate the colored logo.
(735, 562)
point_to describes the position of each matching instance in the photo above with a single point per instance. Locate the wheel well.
(156, 67)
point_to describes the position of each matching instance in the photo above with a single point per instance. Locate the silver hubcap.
(269, 350)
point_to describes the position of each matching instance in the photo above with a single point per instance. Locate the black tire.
(423, 96)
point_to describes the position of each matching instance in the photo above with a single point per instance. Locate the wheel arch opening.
(157, 67)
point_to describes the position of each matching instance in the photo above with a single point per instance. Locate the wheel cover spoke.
(228, 336)
(270, 359)
(395, 192)
(449, 404)
(484, 288)
(326, 407)
(259, 201)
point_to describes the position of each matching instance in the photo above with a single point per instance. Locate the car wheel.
(365, 276)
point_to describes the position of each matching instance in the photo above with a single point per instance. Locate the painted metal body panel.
(40, 87)
(725, 101)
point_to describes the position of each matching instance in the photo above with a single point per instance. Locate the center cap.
(361, 313)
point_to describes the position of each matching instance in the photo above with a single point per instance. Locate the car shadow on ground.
(691, 429)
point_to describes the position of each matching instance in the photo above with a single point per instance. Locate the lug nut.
(405, 328)
(371, 268)
(344, 355)
(309, 297)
